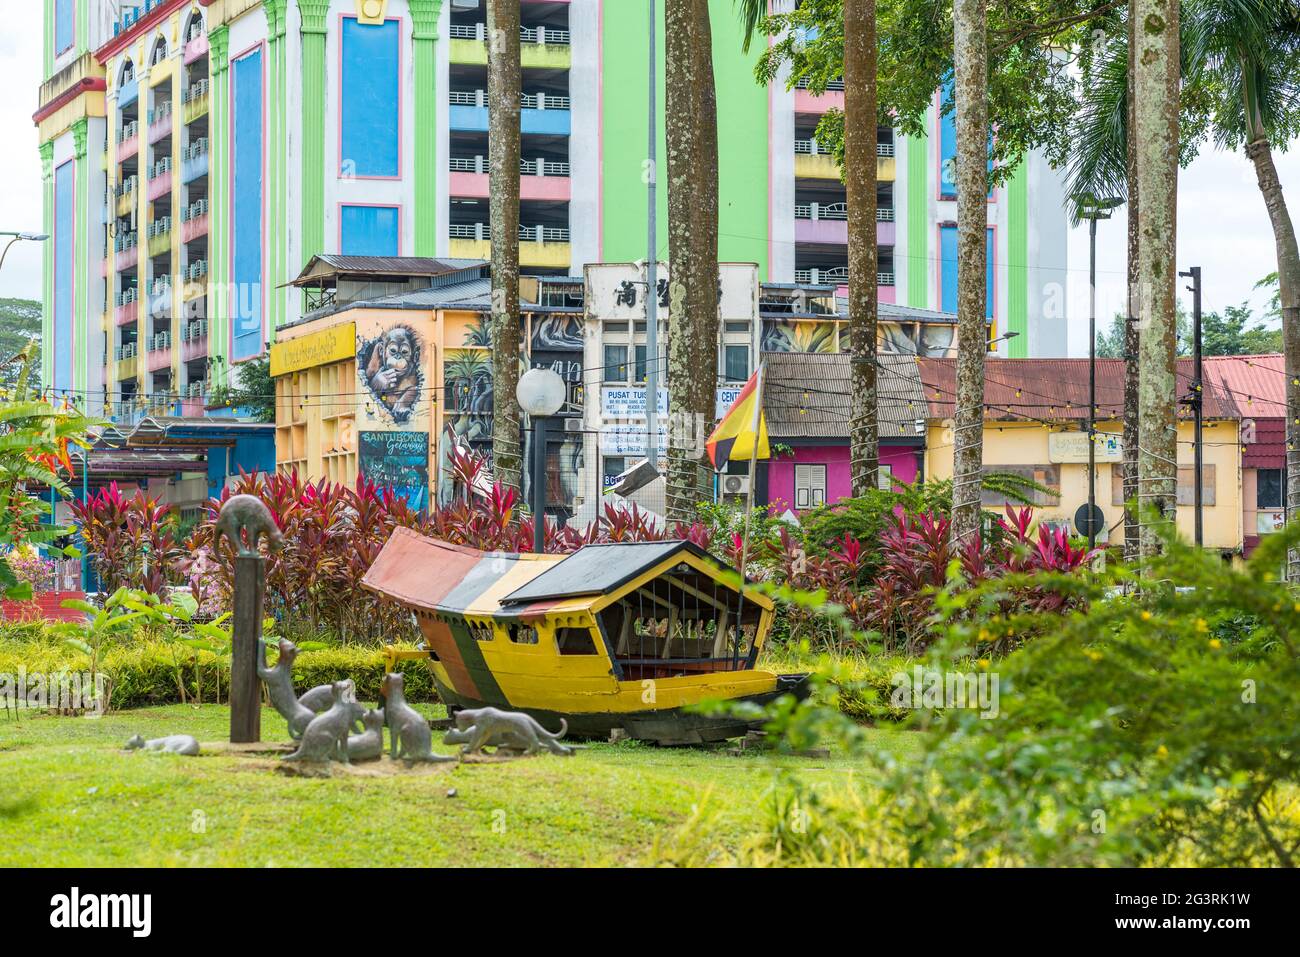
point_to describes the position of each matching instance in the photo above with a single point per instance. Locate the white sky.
(1223, 226)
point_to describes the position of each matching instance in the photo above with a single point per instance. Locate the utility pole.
(1196, 401)
(651, 271)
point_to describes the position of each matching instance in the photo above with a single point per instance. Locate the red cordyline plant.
(333, 533)
(131, 541)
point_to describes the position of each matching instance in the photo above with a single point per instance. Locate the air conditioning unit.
(735, 485)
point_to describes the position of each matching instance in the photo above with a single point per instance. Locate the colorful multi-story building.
(199, 152)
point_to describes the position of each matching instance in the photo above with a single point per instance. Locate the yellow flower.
(1162, 751)
(1216, 643)
(1146, 615)
(984, 663)
(1093, 654)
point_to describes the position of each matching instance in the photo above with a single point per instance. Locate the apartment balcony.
(128, 141)
(194, 160)
(160, 236)
(128, 93)
(126, 308)
(126, 251)
(196, 281)
(125, 356)
(160, 297)
(195, 102)
(539, 113)
(539, 179)
(125, 192)
(82, 74)
(160, 179)
(540, 47)
(196, 48)
(828, 223)
(160, 122)
(194, 220)
(805, 101)
(540, 247)
(811, 162)
(194, 340)
(159, 356)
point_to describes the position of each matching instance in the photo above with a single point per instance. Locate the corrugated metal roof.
(599, 570)
(1052, 389)
(384, 265)
(1257, 384)
(810, 395)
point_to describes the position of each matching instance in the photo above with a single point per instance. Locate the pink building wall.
(903, 459)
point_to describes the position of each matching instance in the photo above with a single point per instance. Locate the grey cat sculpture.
(506, 730)
(318, 698)
(247, 514)
(326, 737)
(368, 745)
(279, 686)
(185, 744)
(411, 739)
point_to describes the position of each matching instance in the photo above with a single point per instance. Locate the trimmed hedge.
(152, 672)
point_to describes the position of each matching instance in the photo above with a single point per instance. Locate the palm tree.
(970, 62)
(503, 209)
(859, 171)
(1156, 77)
(860, 122)
(692, 166)
(1247, 52)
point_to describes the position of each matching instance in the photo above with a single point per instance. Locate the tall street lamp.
(541, 393)
(1091, 208)
(16, 237)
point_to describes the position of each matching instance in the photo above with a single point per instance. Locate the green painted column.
(219, 211)
(918, 223)
(313, 14)
(275, 125)
(424, 34)
(49, 39)
(1018, 263)
(47, 262)
(81, 326)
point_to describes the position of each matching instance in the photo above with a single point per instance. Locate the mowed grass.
(74, 798)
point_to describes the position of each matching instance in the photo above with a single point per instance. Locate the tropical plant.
(691, 141)
(504, 80)
(132, 541)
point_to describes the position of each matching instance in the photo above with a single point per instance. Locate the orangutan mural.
(389, 366)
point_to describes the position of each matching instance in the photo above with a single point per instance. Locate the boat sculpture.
(614, 636)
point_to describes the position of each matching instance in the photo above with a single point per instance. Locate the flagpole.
(749, 509)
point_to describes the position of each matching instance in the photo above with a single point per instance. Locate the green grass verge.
(73, 798)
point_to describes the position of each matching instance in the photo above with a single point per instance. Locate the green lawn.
(73, 798)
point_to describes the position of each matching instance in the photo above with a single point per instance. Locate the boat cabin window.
(480, 632)
(522, 634)
(682, 622)
(575, 641)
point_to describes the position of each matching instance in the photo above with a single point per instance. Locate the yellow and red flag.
(742, 433)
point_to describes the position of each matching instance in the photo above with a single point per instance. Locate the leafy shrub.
(132, 541)
(1128, 734)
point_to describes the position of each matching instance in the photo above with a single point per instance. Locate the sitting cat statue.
(172, 744)
(326, 736)
(368, 745)
(279, 686)
(408, 732)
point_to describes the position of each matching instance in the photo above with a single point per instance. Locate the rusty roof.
(810, 394)
(1054, 389)
(1257, 384)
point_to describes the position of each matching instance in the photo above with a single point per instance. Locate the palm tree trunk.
(691, 143)
(1132, 334)
(970, 54)
(503, 210)
(860, 123)
(1288, 274)
(1155, 115)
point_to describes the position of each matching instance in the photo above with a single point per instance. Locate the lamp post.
(541, 393)
(18, 237)
(1092, 209)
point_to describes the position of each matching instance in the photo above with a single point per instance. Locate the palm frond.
(1098, 164)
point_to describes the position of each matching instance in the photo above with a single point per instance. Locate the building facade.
(197, 154)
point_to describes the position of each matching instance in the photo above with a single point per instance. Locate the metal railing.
(127, 351)
(837, 211)
(161, 286)
(159, 227)
(160, 340)
(836, 275)
(195, 330)
(539, 34)
(804, 83)
(197, 269)
(160, 112)
(128, 130)
(163, 165)
(195, 91)
(527, 167)
(126, 187)
(527, 234)
(126, 241)
(194, 210)
(196, 149)
(528, 101)
(127, 296)
(813, 148)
